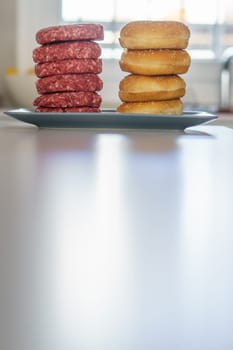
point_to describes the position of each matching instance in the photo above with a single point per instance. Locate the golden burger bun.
(136, 88)
(155, 62)
(154, 35)
(152, 107)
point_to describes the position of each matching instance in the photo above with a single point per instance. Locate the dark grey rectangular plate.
(111, 119)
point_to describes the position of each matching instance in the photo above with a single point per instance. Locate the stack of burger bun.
(155, 56)
(67, 63)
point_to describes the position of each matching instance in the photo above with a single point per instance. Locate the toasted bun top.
(154, 35)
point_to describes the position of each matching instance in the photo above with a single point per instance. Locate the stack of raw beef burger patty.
(67, 63)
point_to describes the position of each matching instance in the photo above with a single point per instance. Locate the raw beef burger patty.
(82, 65)
(69, 82)
(68, 109)
(87, 31)
(69, 99)
(66, 50)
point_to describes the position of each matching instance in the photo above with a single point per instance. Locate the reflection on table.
(115, 239)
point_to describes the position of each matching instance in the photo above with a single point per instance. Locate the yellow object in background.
(20, 86)
(11, 71)
(14, 71)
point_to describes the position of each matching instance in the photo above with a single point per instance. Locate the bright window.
(210, 21)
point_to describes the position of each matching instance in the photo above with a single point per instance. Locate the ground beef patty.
(69, 82)
(66, 50)
(68, 109)
(82, 65)
(87, 31)
(69, 99)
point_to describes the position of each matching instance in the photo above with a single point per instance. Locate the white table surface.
(115, 240)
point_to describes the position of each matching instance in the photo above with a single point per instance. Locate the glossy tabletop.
(115, 239)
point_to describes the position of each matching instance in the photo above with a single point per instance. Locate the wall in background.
(8, 20)
(32, 15)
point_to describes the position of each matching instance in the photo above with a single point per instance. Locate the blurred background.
(209, 80)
